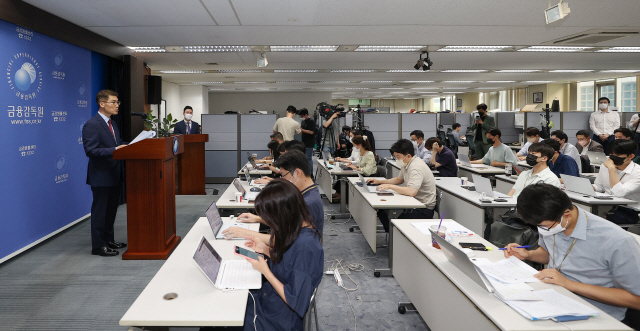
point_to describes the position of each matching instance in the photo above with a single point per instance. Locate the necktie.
(189, 127)
(112, 133)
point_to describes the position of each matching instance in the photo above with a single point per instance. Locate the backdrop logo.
(58, 59)
(176, 145)
(24, 76)
(60, 162)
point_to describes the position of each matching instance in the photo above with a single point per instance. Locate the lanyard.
(568, 251)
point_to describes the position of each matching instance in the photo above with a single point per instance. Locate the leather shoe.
(104, 251)
(116, 245)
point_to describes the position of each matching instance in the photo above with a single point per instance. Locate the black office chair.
(453, 144)
(586, 164)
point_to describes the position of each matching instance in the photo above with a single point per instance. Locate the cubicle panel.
(464, 119)
(222, 131)
(243, 155)
(505, 121)
(221, 164)
(572, 122)
(446, 120)
(427, 123)
(385, 130)
(535, 119)
(255, 131)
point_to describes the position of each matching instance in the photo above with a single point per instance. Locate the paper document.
(143, 135)
(504, 291)
(552, 304)
(456, 229)
(510, 271)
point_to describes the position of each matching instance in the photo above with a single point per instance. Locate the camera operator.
(330, 133)
(344, 149)
(309, 131)
(287, 125)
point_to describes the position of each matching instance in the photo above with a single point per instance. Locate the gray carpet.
(58, 285)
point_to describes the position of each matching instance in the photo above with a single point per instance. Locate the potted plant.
(167, 125)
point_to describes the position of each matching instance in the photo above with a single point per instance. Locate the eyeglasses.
(547, 228)
(114, 102)
(283, 175)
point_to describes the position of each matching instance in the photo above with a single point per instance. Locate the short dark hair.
(482, 106)
(104, 95)
(402, 146)
(622, 146)
(278, 136)
(560, 135)
(584, 133)
(356, 132)
(360, 140)
(291, 145)
(417, 133)
(303, 112)
(542, 202)
(604, 98)
(554, 144)
(185, 109)
(292, 160)
(625, 132)
(543, 149)
(532, 132)
(455, 126)
(495, 132)
(273, 147)
(429, 143)
(346, 128)
(292, 109)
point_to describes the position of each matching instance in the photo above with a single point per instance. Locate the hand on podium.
(121, 146)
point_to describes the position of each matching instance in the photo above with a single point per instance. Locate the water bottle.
(507, 170)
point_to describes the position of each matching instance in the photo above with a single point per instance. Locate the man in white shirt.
(287, 125)
(537, 157)
(619, 176)
(533, 136)
(417, 138)
(603, 122)
(566, 148)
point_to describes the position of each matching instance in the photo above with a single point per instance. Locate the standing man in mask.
(602, 123)
(187, 126)
(482, 124)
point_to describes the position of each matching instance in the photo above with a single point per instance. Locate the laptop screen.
(208, 260)
(247, 175)
(238, 186)
(213, 216)
(251, 161)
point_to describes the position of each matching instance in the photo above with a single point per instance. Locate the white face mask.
(555, 230)
(603, 106)
(400, 163)
(291, 180)
(531, 140)
(351, 140)
(188, 117)
(583, 143)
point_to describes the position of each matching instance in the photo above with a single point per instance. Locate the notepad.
(510, 271)
(552, 304)
(504, 291)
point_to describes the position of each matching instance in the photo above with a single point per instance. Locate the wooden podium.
(190, 172)
(151, 199)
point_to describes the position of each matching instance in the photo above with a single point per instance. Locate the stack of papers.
(552, 304)
(456, 229)
(509, 271)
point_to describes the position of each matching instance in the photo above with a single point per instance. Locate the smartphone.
(246, 253)
(382, 194)
(477, 118)
(500, 200)
(471, 245)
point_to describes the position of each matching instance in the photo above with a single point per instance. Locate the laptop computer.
(582, 186)
(596, 157)
(464, 160)
(247, 176)
(216, 223)
(483, 185)
(370, 187)
(251, 195)
(225, 274)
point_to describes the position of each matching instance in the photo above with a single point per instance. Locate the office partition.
(221, 151)
(385, 128)
(446, 120)
(574, 121)
(427, 123)
(536, 119)
(505, 122)
(255, 130)
(464, 119)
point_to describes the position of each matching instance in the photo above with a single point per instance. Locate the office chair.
(306, 320)
(472, 149)
(453, 144)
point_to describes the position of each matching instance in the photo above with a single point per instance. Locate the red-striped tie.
(111, 128)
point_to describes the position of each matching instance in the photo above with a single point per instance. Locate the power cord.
(566, 326)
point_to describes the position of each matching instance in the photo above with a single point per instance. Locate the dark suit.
(104, 174)
(482, 146)
(181, 128)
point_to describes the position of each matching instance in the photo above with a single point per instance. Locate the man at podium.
(187, 126)
(100, 138)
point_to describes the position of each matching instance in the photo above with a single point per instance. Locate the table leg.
(387, 272)
(343, 201)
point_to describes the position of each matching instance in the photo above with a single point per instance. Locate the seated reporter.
(355, 153)
(533, 136)
(366, 163)
(537, 156)
(567, 148)
(585, 254)
(282, 149)
(442, 158)
(295, 262)
(499, 154)
(560, 163)
(619, 175)
(418, 178)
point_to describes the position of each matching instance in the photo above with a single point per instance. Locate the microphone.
(143, 115)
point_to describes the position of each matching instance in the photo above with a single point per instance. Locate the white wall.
(278, 101)
(197, 97)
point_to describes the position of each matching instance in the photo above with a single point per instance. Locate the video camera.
(326, 110)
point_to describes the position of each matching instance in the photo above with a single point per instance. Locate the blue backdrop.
(45, 99)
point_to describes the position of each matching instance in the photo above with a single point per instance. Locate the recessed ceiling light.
(334, 81)
(576, 71)
(399, 92)
(294, 70)
(149, 49)
(487, 88)
(289, 88)
(452, 92)
(405, 70)
(500, 81)
(425, 88)
(410, 98)
(539, 81)
(621, 50)
(390, 88)
(207, 49)
(474, 70)
(620, 71)
(239, 71)
(516, 71)
(341, 92)
(302, 48)
(458, 81)
(206, 83)
(291, 82)
(325, 88)
(249, 82)
(417, 81)
(554, 49)
(182, 71)
(472, 48)
(353, 70)
(222, 89)
(389, 48)
(255, 89)
(376, 81)
(356, 88)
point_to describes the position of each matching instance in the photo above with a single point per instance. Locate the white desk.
(595, 206)
(363, 206)
(485, 171)
(464, 205)
(325, 181)
(198, 303)
(227, 200)
(252, 171)
(515, 148)
(447, 299)
(596, 167)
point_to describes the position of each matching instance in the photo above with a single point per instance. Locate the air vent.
(594, 36)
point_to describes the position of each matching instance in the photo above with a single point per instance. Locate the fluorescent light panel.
(222, 89)
(205, 83)
(458, 81)
(302, 48)
(357, 88)
(353, 70)
(500, 81)
(390, 88)
(621, 50)
(554, 49)
(239, 71)
(291, 82)
(149, 49)
(516, 71)
(208, 49)
(574, 71)
(620, 71)
(334, 81)
(182, 71)
(294, 70)
(249, 82)
(376, 81)
(539, 81)
(472, 48)
(474, 70)
(389, 48)
(405, 70)
(417, 81)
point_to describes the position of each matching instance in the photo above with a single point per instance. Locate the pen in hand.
(527, 246)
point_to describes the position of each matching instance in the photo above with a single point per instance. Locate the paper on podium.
(143, 135)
